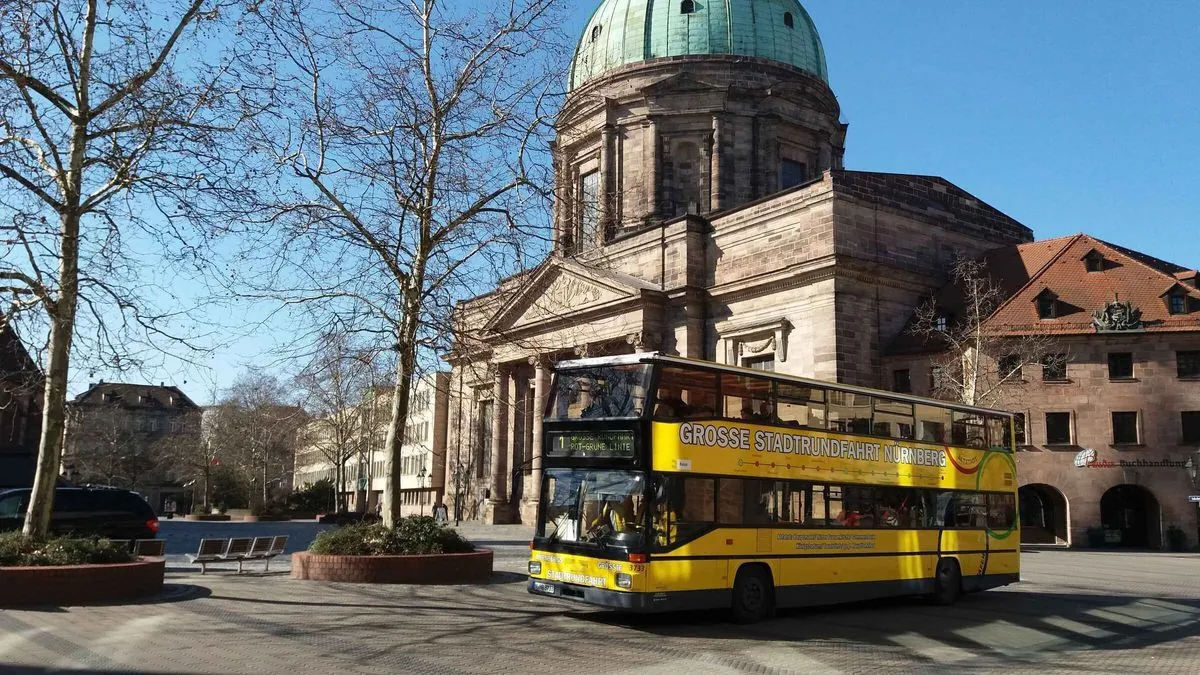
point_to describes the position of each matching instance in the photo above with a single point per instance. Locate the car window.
(70, 500)
(10, 506)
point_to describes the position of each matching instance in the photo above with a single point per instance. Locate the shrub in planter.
(1095, 536)
(17, 550)
(413, 535)
(1176, 539)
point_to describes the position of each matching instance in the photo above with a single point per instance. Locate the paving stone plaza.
(1075, 611)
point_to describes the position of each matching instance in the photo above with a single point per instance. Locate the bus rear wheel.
(753, 595)
(947, 582)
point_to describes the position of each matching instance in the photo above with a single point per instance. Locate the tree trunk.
(406, 345)
(41, 502)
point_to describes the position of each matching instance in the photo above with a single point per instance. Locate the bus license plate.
(543, 587)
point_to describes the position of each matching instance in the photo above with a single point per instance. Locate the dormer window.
(1047, 304)
(787, 20)
(687, 7)
(1094, 262)
(1177, 303)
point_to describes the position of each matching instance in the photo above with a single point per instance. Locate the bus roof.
(656, 357)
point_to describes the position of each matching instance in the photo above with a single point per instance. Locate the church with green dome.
(702, 209)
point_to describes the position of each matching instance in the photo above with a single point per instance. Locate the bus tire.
(753, 594)
(947, 582)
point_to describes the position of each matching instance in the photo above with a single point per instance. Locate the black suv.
(107, 512)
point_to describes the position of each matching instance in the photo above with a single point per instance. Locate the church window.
(589, 210)
(1177, 303)
(760, 362)
(687, 7)
(687, 178)
(787, 20)
(792, 173)
(595, 33)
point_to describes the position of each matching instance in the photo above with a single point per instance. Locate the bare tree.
(109, 144)
(337, 392)
(973, 359)
(259, 432)
(412, 131)
(113, 450)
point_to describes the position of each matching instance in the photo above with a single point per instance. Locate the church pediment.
(681, 82)
(559, 290)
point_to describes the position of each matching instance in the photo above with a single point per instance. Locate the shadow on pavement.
(1051, 622)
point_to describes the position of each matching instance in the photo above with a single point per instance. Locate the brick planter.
(446, 568)
(219, 518)
(264, 519)
(81, 584)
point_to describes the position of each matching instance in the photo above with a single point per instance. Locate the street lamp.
(421, 487)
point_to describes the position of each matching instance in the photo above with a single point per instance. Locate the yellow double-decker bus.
(674, 484)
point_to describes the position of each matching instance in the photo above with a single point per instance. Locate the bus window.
(1002, 511)
(893, 507)
(800, 406)
(684, 394)
(849, 412)
(685, 509)
(731, 501)
(970, 509)
(893, 418)
(600, 392)
(747, 399)
(968, 430)
(932, 424)
(997, 433)
(858, 507)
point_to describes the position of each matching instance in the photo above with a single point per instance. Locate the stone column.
(560, 196)
(653, 164)
(513, 441)
(499, 427)
(608, 182)
(716, 203)
(541, 390)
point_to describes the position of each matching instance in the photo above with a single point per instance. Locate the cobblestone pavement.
(1075, 612)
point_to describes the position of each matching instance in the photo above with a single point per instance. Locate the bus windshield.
(593, 506)
(601, 392)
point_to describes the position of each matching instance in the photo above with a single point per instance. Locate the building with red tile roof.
(1110, 441)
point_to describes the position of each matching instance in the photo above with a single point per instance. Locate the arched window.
(595, 33)
(687, 7)
(787, 20)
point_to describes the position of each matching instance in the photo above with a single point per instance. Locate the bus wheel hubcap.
(752, 597)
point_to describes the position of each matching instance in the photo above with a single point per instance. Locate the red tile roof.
(1127, 275)
(1024, 271)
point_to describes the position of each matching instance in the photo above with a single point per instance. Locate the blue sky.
(1071, 115)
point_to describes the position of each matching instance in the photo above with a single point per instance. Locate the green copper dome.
(623, 32)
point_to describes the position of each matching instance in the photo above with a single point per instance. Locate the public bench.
(239, 550)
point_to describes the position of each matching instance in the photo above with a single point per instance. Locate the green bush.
(313, 497)
(1176, 539)
(414, 535)
(17, 550)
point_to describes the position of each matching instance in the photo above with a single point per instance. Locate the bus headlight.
(535, 567)
(624, 580)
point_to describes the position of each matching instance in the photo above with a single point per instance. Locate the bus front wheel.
(753, 595)
(947, 582)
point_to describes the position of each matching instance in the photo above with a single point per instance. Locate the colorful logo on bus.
(966, 461)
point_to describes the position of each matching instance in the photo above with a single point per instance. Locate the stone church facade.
(702, 209)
